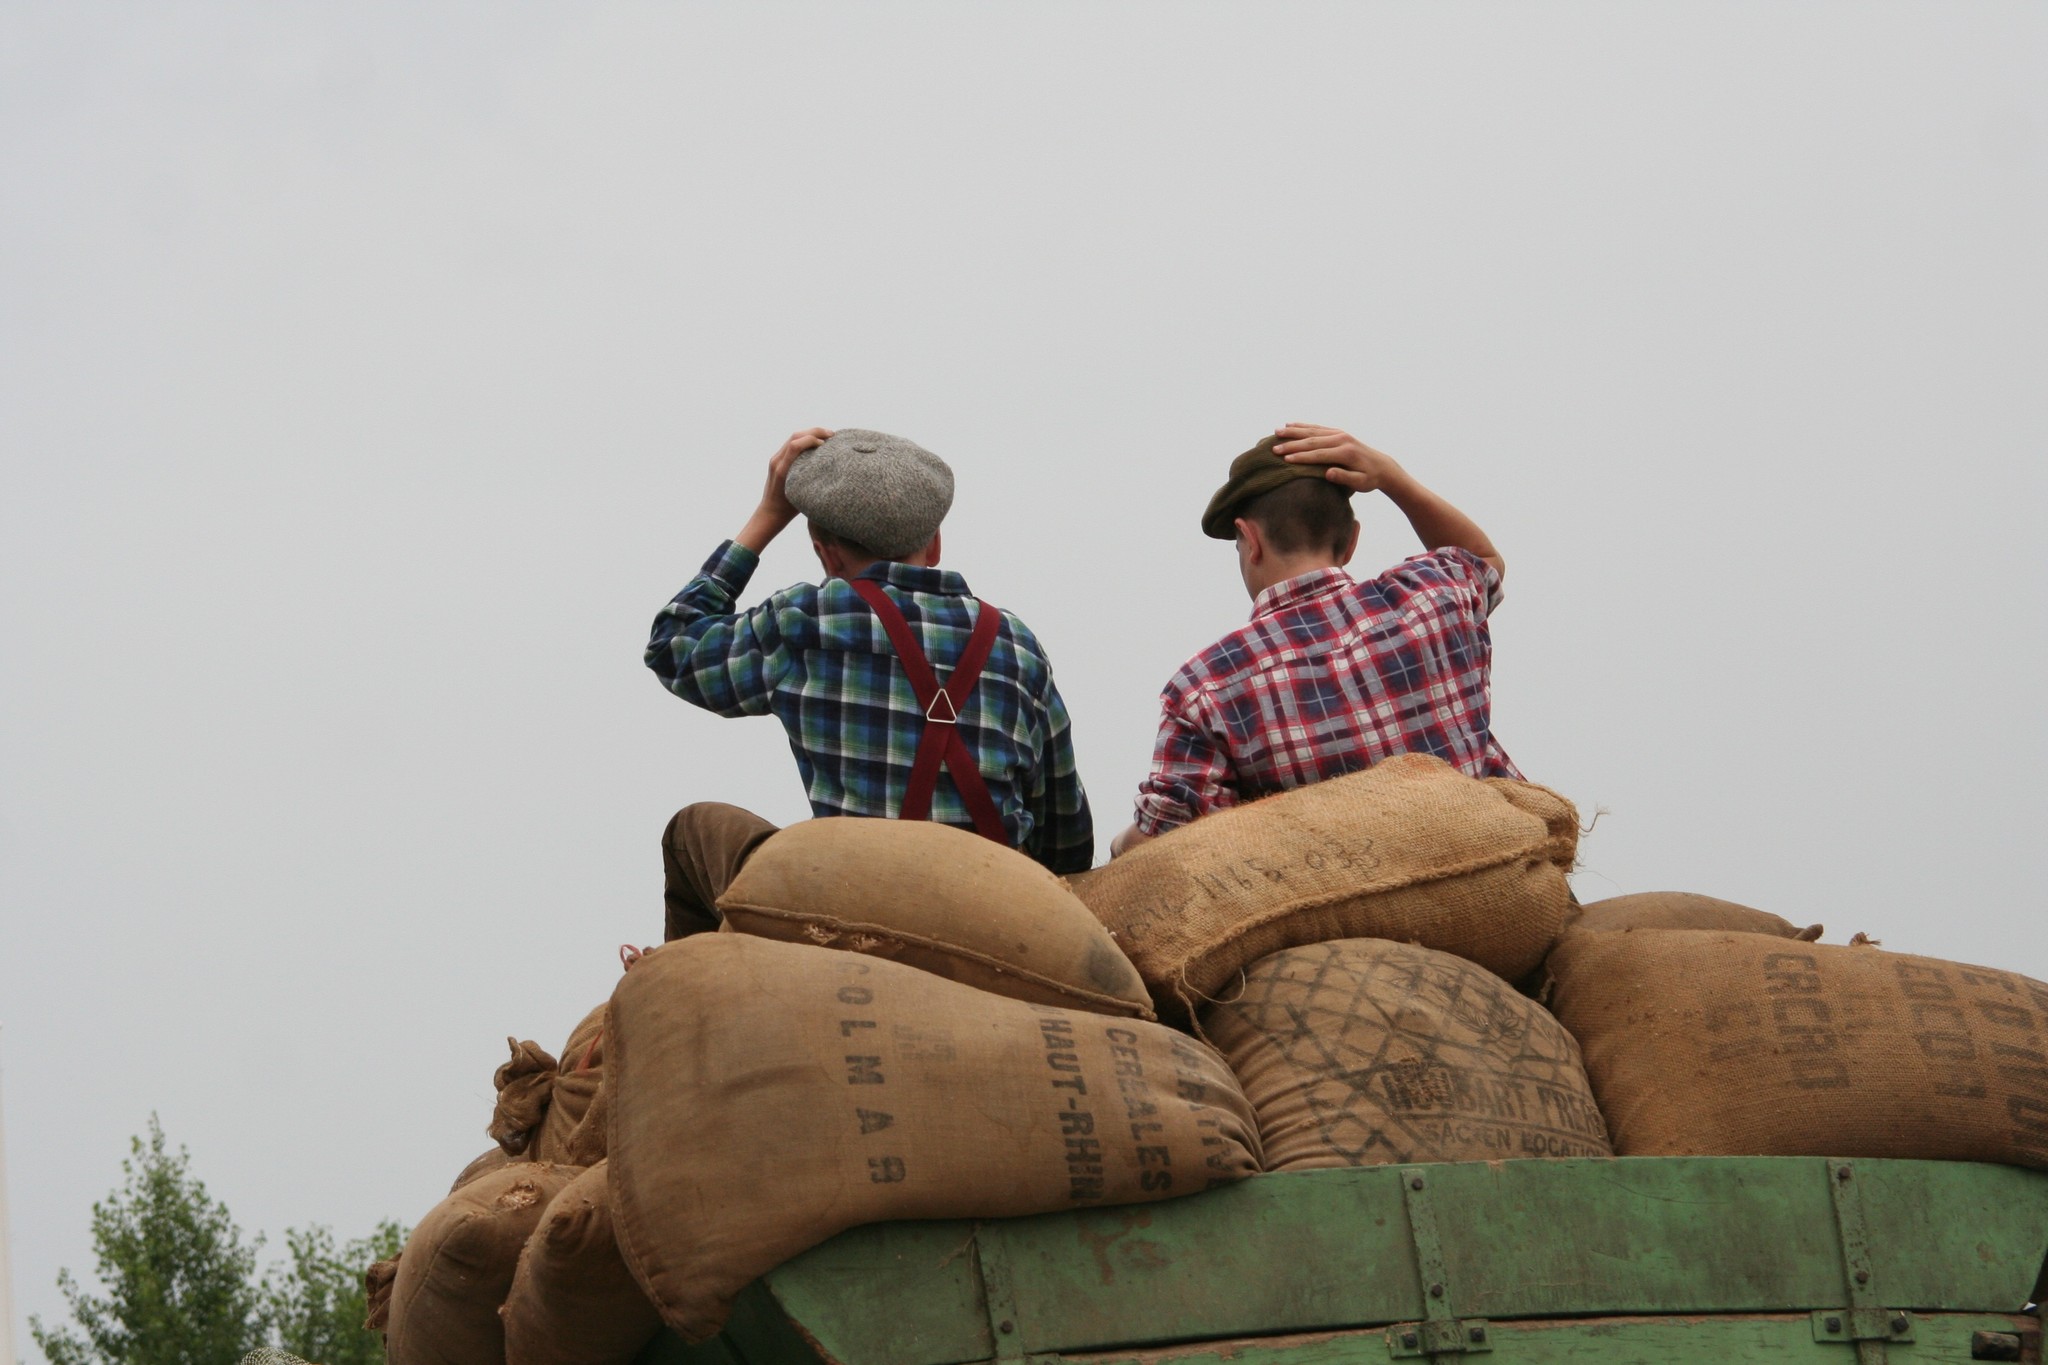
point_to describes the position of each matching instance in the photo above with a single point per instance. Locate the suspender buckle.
(933, 713)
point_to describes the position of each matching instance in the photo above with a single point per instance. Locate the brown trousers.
(702, 850)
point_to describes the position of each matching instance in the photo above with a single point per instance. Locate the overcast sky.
(370, 374)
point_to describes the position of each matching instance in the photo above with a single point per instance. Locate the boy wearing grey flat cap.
(1333, 674)
(903, 696)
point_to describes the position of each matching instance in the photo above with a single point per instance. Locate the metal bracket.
(1442, 1332)
(1862, 1324)
(1438, 1338)
(1866, 1321)
(999, 1296)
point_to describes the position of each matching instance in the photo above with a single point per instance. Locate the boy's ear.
(1254, 542)
(825, 556)
(1350, 545)
(931, 552)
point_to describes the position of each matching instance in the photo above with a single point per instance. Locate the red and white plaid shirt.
(1332, 675)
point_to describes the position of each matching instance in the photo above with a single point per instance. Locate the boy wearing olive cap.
(903, 696)
(1332, 675)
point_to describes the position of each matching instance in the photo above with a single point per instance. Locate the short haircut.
(852, 547)
(1303, 514)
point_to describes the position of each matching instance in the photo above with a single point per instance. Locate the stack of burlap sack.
(906, 1021)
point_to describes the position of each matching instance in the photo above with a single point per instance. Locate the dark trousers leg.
(702, 850)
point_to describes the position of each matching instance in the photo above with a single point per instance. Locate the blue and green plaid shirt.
(816, 657)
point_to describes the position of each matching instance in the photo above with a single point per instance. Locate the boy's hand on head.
(1350, 463)
(1347, 461)
(776, 511)
(774, 497)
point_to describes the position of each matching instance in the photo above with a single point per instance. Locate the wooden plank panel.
(1331, 1249)
(1276, 1254)
(888, 1294)
(1958, 1235)
(1942, 1340)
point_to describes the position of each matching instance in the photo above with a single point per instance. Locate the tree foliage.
(314, 1305)
(181, 1284)
(179, 1279)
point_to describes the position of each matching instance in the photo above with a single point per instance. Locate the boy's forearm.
(761, 529)
(1437, 523)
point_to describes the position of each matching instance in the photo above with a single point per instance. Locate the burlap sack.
(939, 899)
(1746, 1045)
(768, 1095)
(576, 1085)
(378, 1278)
(573, 1302)
(524, 1085)
(1360, 1052)
(1410, 850)
(494, 1159)
(1560, 817)
(589, 1142)
(1683, 910)
(457, 1267)
(541, 1103)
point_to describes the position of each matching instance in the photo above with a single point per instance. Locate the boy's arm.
(1063, 835)
(710, 655)
(776, 511)
(699, 647)
(1353, 464)
(1191, 776)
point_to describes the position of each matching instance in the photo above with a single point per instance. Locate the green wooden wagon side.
(1651, 1259)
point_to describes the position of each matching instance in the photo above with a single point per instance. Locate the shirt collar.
(916, 578)
(1301, 588)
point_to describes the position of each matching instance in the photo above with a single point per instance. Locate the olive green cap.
(1256, 471)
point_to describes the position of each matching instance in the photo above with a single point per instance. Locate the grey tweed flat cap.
(873, 489)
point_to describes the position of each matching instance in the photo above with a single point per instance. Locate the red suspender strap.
(940, 744)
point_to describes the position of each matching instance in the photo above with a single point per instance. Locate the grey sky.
(370, 374)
